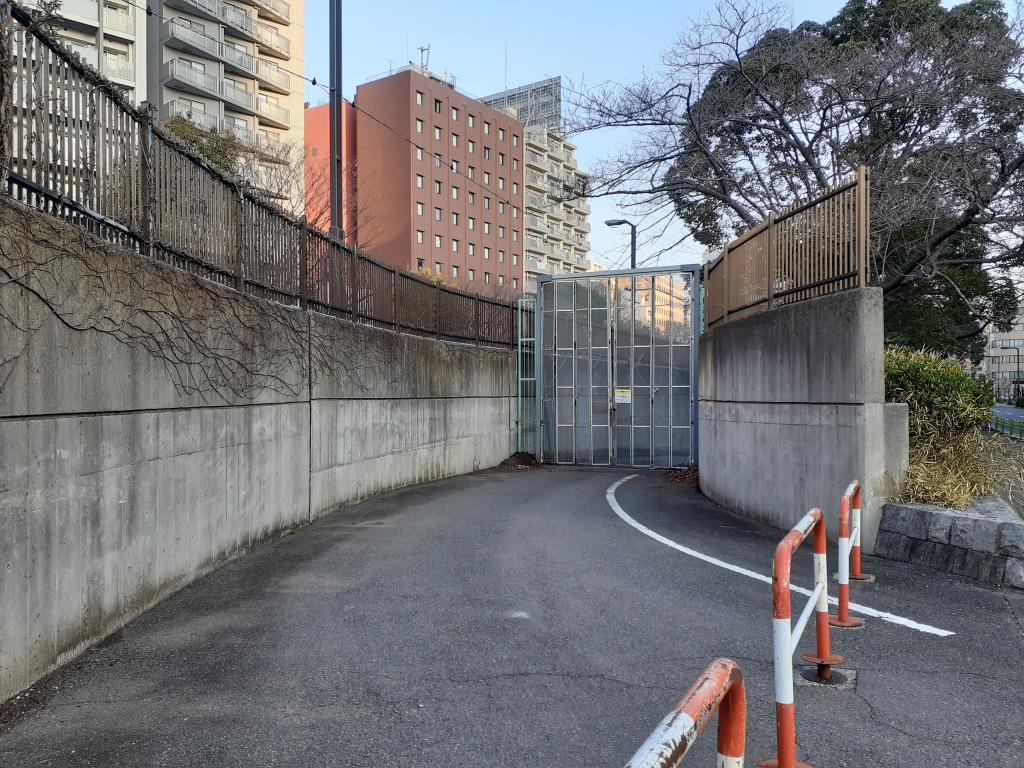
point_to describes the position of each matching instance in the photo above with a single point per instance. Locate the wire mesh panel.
(616, 369)
(526, 381)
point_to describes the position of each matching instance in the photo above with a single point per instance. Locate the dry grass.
(954, 470)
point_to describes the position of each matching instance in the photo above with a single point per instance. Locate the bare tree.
(750, 113)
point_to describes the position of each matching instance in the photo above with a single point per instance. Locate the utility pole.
(337, 199)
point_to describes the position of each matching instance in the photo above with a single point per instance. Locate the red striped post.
(842, 617)
(823, 655)
(719, 688)
(855, 572)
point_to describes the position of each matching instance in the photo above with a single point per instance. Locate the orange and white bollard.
(855, 572)
(720, 687)
(842, 617)
(786, 638)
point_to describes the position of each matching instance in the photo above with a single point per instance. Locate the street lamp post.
(632, 238)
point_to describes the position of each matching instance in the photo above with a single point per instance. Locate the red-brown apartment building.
(438, 181)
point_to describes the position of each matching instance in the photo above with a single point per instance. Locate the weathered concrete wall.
(792, 409)
(119, 485)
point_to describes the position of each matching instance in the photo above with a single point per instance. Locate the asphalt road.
(1008, 411)
(509, 618)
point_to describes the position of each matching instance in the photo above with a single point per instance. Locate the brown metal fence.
(810, 249)
(76, 149)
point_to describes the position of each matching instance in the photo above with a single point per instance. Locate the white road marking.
(861, 609)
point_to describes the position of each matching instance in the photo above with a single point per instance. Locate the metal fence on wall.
(813, 248)
(76, 149)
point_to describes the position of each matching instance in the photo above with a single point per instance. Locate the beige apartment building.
(1004, 360)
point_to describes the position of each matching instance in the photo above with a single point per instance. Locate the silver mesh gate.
(617, 368)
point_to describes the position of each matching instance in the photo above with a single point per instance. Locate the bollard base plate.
(863, 577)
(850, 623)
(842, 680)
(813, 658)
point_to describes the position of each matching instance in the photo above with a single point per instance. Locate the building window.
(472, 275)
(455, 246)
(472, 197)
(501, 231)
(419, 181)
(419, 98)
(515, 235)
(501, 134)
(515, 212)
(515, 282)
(437, 187)
(437, 159)
(455, 193)
(437, 106)
(437, 214)
(487, 275)
(487, 127)
(515, 188)
(471, 223)
(487, 203)
(487, 253)
(437, 241)
(455, 166)
(437, 267)
(419, 263)
(419, 209)
(472, 172)
(501, 182)
(501, 280)
(487, 153)
(501, 206)
(471, 146)
(487, 227)
(437, 133)
(501, 158)
(455, 219)
(419, 126)
(487, 177)
(515, 163)
(471, 249)
(455, 271)
(501, 257)
(515, 140)
(419, 153)
(455, 113)
(515, 259)
(455, 139)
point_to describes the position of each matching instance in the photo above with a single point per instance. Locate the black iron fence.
(74, 147)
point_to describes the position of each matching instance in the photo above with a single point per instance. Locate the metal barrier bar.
(785, 639)
(846, 540)
(719, 688)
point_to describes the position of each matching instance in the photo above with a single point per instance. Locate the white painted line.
(861, 609)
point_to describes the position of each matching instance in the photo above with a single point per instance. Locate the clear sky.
(592, 42)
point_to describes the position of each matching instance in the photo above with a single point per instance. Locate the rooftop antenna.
(424, 57)
(391, 65)
(506, 65)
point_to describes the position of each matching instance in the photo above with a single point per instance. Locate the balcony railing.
(275, 9)
(184, 72)
(273, 75)
(194, 38)
(83, 9)
(239, 59)
(118, 21)
(236, 95)
(88, 53)
(273, 112)
(271, 40)
(202, 119)
(119, 67)
(236, 18)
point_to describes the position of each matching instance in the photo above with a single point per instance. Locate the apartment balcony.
(237, 98)
(534, 201)
(272, 78)
(275, 10)
(205, 9)
(119, 23)
(582, 226)
(203, 120)
(87, 53)
(535, 181)
(237, 22)
(81, 10)
(238, 62)
(180, 75)
(273, 114)
(535, 160)
(186, 39)
(536, 223)
(537, 267)
(119, 68)
(272, 42)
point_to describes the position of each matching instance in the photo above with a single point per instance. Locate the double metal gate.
(616, 371)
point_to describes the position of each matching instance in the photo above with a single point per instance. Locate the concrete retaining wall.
(792, 409)
(119, 487)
